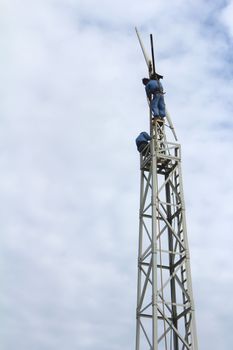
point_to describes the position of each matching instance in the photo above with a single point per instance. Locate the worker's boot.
(154, 118)
(158, 119)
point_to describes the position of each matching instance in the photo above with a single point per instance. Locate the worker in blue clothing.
(154, 90)
(142, 141)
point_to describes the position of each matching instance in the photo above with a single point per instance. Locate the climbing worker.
(154, 90)
(142, 141)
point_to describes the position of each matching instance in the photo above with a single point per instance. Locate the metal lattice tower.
(165, 307)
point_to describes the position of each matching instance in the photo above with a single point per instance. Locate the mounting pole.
(152, 54)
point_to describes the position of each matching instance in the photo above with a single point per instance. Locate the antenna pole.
(152, 54)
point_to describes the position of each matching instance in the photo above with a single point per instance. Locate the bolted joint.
(154, 299)
(139, 263)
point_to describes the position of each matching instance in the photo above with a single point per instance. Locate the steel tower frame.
(165, 307)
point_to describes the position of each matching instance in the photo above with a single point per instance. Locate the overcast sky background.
(71, 106)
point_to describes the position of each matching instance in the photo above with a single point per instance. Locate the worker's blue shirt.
(142, 137)
(153, 87)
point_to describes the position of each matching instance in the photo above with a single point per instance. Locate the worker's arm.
(148, 93)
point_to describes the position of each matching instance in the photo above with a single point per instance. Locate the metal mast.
(165, 307)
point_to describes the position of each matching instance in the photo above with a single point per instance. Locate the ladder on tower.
(165, 307)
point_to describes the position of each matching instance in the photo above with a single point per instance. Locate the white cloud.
(72, 104)
(226, 16)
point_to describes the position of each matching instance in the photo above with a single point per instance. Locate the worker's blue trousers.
(158, 105)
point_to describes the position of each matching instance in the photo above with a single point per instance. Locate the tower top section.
(154, 89)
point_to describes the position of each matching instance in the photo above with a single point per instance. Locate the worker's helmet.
(145, 81)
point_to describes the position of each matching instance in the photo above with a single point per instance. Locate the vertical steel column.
(193, 329)
(139, 255)
(154, 201)
(171, 262)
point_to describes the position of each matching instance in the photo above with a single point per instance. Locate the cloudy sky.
(71, 106)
